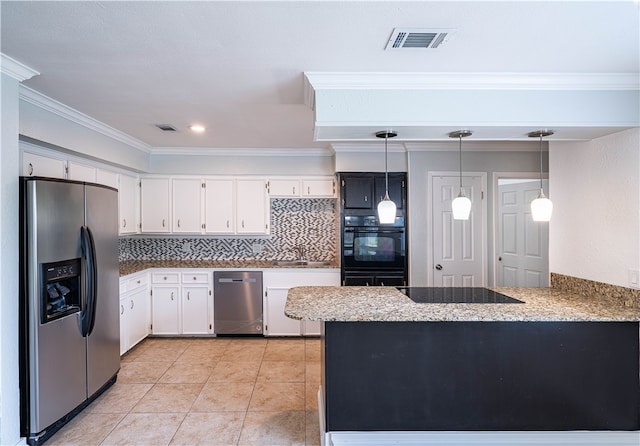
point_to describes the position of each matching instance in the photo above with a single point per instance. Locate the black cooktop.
(460, 295)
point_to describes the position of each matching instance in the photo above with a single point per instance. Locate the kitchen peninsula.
(555, 362)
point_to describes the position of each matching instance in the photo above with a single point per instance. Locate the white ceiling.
(237, 66)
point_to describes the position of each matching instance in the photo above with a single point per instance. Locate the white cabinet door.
(154, 199)
(42, 166)
(321, 187)
(81, 172)
(284, 188)
(276, 323)
(124, 326)
(107, 178)
(128, 199)
(252, 205)
(277, 282)
(219, 206)
(165, 316)
(195, 310)
(187, 205)
(138, 318)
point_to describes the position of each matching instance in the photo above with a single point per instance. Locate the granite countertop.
(352, 304)
(133, 266)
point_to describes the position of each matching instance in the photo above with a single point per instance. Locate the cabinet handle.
(243, 223)
(178, 222)
(163, 222)
(30, 169)
(294, 190)
(188, 295)
(124, 222)
(227, 223)
(195, 278)
(132, 304)
(121, 309)
(138, 281)
(365, 199)
(165, 277)
(308, 190)
(172, 295)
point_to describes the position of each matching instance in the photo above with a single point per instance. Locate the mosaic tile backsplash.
(310, 222)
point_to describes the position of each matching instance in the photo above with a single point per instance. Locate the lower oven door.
(373, 248)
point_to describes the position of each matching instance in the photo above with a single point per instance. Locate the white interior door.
(458, 245)
(523, 244)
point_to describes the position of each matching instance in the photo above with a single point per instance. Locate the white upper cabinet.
(128, 199)
(252, 207)
(219, 206)
(42, 166)
(289, 187)
(187, 205)
(107, 178)
(319, 187)
(81, 172)
(311, 187)
(154, 203)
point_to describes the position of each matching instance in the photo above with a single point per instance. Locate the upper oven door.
(373, 247)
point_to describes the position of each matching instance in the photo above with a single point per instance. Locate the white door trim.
(495, 176)
(429, 248)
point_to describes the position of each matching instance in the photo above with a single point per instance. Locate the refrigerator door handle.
(89, 253)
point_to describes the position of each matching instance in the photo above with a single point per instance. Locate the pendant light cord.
(540, 160)
(460, 137)
(386, 169)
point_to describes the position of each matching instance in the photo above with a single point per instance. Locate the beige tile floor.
(215, 391)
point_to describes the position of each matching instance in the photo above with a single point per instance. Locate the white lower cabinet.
(277, 283)
(165, 318)
(134, 310)
(182, 302)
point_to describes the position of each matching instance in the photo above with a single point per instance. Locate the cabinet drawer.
(165, 278)
(198, 277)
(136, 282)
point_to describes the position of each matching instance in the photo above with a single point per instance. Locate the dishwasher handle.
(232, 280)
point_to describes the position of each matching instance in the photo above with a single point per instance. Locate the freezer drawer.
(237, 302)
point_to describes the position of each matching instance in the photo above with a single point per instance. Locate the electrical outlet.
(257, 248)
(634, 278)
(186, 247)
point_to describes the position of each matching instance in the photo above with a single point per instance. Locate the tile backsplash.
(310, 222)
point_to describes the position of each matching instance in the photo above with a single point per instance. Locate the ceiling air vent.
(418, 38)
(166, 127)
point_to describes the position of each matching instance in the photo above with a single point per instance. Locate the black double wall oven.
(372, 254)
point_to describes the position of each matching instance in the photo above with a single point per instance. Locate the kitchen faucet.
(300, 250)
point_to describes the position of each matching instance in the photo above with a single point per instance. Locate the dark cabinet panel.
(358, 192)
(365, 190)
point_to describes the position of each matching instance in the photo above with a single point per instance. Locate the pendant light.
(386, 207)
(461, 205)
(541, 207)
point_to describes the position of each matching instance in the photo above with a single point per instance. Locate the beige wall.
(595, 189)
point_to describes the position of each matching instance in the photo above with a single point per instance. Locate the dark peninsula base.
(503, 376)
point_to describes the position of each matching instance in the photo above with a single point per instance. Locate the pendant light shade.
(461, 205)
(541, 207)
(386, 207)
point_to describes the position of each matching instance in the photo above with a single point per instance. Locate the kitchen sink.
(299, 263)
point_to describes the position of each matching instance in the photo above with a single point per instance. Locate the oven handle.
(375, 231)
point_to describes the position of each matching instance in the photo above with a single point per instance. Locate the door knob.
(438, 267)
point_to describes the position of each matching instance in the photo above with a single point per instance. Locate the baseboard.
(572, 438)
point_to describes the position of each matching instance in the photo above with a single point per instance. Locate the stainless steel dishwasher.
(237, 302)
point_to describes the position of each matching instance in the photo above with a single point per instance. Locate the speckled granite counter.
(380, 304)
(133, 266)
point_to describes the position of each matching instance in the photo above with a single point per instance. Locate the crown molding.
(64, 111)
(212, 151)
(471, 81)
(368, 147)
(15, 69)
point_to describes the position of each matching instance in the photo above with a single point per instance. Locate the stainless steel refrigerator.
(69, 300)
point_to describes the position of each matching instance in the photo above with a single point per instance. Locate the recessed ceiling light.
(197, 128)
